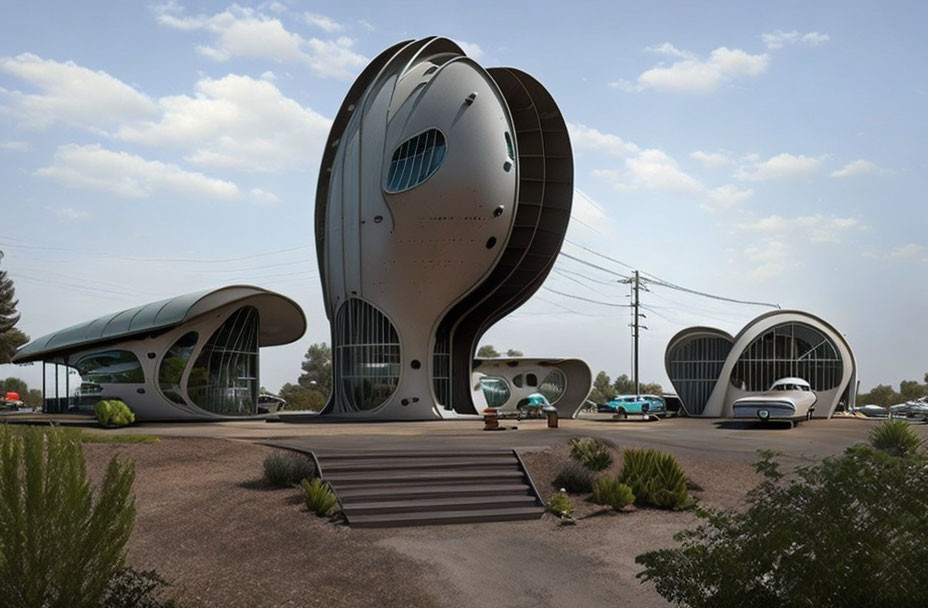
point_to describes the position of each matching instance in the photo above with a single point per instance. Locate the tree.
(849, 531)
(10, 337)
(910, 390)
(487, 352)
(514, 353)
(317, 369)
(882, 394)
(602, 389)
(302, 398)
(14, 385)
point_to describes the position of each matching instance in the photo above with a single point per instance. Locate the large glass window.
(415, 160)
(172, 367)
(695, 368)
(553, 385)
(441, 369)
(110, 367)
(367, 354)
(224, 378)
(495, 390)
(789, 350)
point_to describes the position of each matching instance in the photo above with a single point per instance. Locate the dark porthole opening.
(415, 364)
(498, 211)
(491, 242)
(152, 355)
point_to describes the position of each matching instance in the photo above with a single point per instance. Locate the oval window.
(415, 160)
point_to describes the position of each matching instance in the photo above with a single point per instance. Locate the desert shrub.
(113, 412)
(849, 531)
(575, 478)
(59, 545)
(611, 492)
(560, 505)
(284, 469)
(655, 478)
(894, 437)
(130, 588)
(593, 454)
(319, 497)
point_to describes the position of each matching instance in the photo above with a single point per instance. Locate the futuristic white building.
(710, 369)
(503, 382)
(189, 357)
(443, 199)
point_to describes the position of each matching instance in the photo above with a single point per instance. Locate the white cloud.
(69, 93)
(778, 39)
(858, 167)
(669, 49)
(586, 138)
(261, 196)
(366, 25)
(246, 32)
(780, 244)
(129, 176)
(653, 169)
(236, 122)
(909, 251)
(471, 49)
(701, 76)
(322, 22)
(711, 160)
(730, 195)
(68, 213)
(781, 166)
(817, 228)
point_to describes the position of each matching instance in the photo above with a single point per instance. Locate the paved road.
(721, 438)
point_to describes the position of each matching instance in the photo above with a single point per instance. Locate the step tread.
(438, 504)
(447, 517)
(406, 454)
(403, 476)
(414, 490)
(445, 463)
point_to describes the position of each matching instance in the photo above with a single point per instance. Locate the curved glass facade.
(695, 368)
(110, 367)
(495, 390)
(553, 385)
(224, 378)
(415, 160)
(367, 354)
(789, 350)
(172, 367)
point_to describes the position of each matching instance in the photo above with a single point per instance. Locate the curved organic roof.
(281, 321)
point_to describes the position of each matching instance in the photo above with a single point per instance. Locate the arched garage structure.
(710, 370)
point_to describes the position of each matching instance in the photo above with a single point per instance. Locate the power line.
(662, 283)
(592, 265)
(602, 255)
(568, 295)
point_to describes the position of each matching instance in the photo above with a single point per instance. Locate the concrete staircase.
(380, 489)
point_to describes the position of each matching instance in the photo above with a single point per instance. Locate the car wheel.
(621, 413)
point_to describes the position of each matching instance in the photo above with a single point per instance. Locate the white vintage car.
(789, 399)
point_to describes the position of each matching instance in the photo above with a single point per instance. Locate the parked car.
(917, 409)
(10, 400)
(623, 405)
(268, 403)
(789, 399)
(872, 411)
(533, 406)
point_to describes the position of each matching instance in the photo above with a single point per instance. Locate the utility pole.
(635, 336)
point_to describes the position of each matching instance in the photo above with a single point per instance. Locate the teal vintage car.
(533, 406)
(623, 405)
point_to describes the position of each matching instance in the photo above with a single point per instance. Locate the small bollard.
(552, 418)
(490, 419)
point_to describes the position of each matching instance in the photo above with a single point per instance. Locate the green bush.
(560, 505)
(894, 437)
(575, 478)
(611, 492)
(849, 531)
(592, 453)
(130, 588)
(319, 497)
(113, 412)
(655, 478)
(284, 469)
(59, 546)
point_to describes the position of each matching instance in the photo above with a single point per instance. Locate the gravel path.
(207, 525)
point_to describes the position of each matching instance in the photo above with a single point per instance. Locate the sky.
(769, 152)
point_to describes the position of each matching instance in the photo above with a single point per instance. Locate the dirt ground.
(206, 524)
